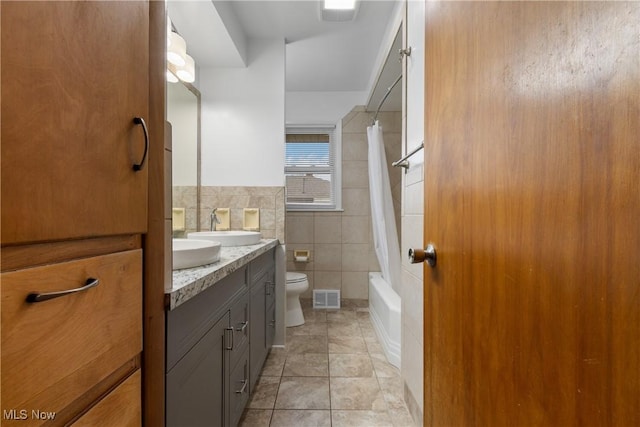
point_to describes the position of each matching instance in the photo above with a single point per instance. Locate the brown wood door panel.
(532, 118)
(74, 75)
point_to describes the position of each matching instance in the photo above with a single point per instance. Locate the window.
(312, 169)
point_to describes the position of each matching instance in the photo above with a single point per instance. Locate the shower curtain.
(385, 235)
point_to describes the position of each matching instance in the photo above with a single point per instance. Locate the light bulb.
(177, 50)
(187, 72)
(171, 78)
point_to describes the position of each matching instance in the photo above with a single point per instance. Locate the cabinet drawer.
(121, 407)
(241, 326)
(54, 351)
(261, 264)
(239, 389)
(187, 323)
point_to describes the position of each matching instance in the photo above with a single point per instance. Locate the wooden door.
(532, 199)
(74, 76)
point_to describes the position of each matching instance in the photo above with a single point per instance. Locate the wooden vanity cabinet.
(75, 87)
(74, 77)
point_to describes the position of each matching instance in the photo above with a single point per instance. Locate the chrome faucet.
(214, 219)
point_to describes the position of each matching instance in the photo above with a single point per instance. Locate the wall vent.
(326, 298)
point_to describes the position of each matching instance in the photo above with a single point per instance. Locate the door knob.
(429, 255)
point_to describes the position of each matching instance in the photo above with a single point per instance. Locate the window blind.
(310, 169)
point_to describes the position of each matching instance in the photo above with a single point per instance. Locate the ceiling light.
(177, 51)
(339, 4)
(338, 10)
(187, 73)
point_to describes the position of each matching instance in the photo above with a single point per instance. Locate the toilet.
(297, 283)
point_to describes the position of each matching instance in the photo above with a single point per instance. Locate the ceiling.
(320, 56)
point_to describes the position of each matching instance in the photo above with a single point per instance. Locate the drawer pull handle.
(229, 346)
(244, 386)
(243, 327)
(36, 297)
(140, 121)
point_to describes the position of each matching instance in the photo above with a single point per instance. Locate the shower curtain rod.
(384, 98)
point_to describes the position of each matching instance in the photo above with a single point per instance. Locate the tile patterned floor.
(332, 373)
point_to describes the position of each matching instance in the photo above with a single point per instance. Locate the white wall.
(243, 119)
(304, 108)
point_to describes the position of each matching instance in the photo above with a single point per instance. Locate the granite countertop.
(189, 282)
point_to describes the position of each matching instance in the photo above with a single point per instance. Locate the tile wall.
(412, 291)
(270, 201)
(341, 243)
(186, 197)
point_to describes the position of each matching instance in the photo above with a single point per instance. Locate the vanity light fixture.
(176, 50)
(180, 66)
(187, 73)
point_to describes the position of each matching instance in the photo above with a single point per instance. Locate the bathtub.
(384, 311)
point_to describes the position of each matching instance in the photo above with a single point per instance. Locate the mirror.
(183, 113)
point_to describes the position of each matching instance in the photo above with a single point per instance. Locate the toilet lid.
(296, 277)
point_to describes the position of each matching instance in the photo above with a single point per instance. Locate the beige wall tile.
(355, 257)
(355, 174)
(328, 229)
(268, 233)
(327, 280)
(355, 284)
(358, 123)
(391, 121)
(267, 219)
(262, 202)
(328, 256)
(299, 229)
(355, 229)
(354, 147)
(355, 201)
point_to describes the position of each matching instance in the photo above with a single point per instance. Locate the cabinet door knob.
(429, 255)
(39, 297)
(140, 121)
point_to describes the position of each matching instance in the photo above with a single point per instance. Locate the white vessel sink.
(228, 238)
(189, 253)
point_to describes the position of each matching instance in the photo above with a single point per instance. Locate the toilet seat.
(295, 277)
